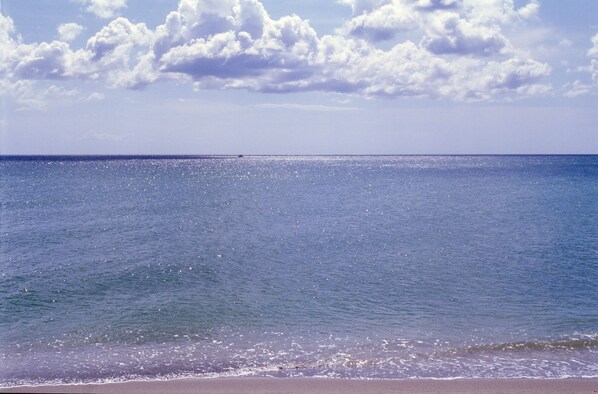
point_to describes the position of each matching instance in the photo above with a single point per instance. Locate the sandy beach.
(299, 385)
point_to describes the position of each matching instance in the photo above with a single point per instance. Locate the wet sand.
(313, 385)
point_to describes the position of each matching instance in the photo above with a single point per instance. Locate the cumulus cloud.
(42, 61)
(530, 10)
(103, 8)
(212, 45)
(445, 26)
(116, 54)
(450, 34)
(382, 23)
(454, 48)
(69, 31)
(235, 47)
(515, 74)
(7, 44)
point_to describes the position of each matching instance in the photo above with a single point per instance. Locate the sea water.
(345, 267)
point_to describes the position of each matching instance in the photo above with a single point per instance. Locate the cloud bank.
(453, 49)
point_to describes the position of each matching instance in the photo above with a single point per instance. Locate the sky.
(298, 77)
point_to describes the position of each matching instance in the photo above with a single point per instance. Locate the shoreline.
(323, 385)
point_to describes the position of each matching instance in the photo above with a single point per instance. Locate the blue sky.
(298, 77)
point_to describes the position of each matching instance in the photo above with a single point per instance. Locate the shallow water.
(363, 267)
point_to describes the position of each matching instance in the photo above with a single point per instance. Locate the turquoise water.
(357, 267)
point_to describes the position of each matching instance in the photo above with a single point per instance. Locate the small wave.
(581, 342)
(558, 358)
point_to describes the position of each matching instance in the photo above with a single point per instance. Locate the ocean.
(392, 267)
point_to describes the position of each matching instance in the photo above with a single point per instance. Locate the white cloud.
(120, 53)
(364, 6)
(498, 11)
(119, 35)
(42, 61)
(117, 54)
(593, 51)
(449, 33)
(591, 69)
(7, 44)
(103, 8)
(461, 52)
(447, 26)
(577, 88)
(29, 95)
(382, 23)
(242, 48)
(594, 70)
(6, 29)
(95, 96)
(69, 31)
(530, 10)
(289, 56)
(516, 74)
(593, 55)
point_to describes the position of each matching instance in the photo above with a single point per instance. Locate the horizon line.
(90, 157)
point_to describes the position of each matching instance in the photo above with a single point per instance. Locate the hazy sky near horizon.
(298, 77)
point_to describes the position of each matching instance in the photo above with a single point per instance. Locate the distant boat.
(240, 156)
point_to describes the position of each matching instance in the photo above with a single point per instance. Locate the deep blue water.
(360, 267)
